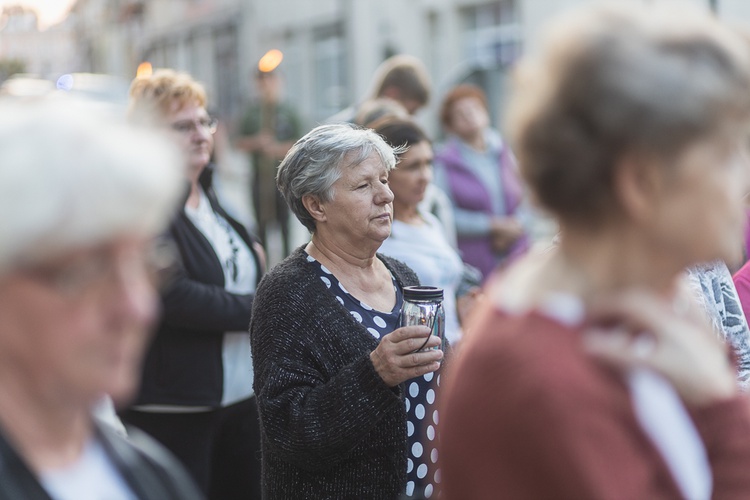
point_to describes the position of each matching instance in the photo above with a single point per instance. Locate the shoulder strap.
(16, 479)
(150, 471)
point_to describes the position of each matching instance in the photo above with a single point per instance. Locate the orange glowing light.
(270, 60)
(144, 69)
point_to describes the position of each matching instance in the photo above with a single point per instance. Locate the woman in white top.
(417, 237)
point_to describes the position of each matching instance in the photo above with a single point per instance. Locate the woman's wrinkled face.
(361, 209)
(76, 327)
(701, 215)
(468, 117)
(192, 128)
(412, 175)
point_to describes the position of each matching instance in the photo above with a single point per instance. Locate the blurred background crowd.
(327, 54)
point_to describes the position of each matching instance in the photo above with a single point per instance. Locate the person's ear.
(314, 207)
(638, 182)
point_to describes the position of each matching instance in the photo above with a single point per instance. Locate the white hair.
(72, 176)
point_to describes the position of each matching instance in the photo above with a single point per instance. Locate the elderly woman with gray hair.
(342, 391)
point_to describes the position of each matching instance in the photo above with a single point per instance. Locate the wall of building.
(48, 53)
(331, 47)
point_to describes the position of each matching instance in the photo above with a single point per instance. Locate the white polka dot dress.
(423, 475)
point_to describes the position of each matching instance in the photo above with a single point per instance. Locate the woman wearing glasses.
(196, 395)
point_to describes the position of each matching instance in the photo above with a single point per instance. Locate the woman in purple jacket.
(479, 173)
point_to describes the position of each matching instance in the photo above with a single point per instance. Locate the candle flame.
(144, 70)
(270, 61)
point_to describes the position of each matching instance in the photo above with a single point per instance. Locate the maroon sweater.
(526, 414)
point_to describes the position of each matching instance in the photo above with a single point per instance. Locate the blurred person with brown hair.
(379, 109)
(267, 130)
(417, 237)
(401, 78)
(478, 172)
(85, 198)
(376, 111)
(196, 395)
(631, 126)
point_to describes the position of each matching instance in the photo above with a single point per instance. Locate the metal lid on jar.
(422, 293)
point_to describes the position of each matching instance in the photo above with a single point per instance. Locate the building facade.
(331, 47)
(45, 53)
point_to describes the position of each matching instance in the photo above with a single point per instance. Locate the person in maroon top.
(588, 372)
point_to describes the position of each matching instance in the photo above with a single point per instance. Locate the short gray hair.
(73, 176)
(317, 160)
(619, 79)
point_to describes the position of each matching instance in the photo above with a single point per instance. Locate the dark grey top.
(147, 468)
(330, 426)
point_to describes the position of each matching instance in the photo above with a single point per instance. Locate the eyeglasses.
(189, 126)
(90, 274)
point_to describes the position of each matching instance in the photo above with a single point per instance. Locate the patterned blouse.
(422, 470)
(714, 289)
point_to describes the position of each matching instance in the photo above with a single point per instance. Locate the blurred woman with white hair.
(82, 198)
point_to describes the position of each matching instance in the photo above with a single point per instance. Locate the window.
(227, 72)
(492, 33)
(492, 42)
(330, 72)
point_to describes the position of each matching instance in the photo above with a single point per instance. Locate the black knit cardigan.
(330, 427)
(184, 364)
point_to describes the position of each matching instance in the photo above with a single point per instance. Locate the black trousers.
(220, 448)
